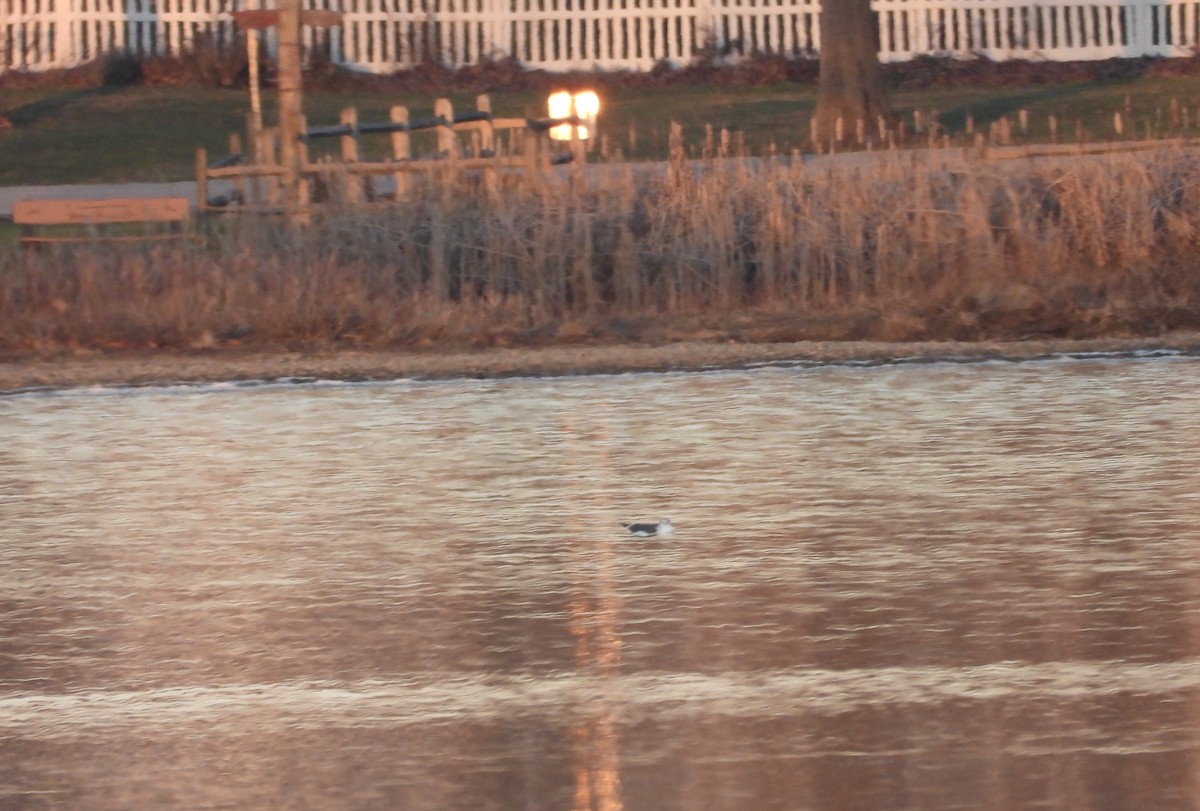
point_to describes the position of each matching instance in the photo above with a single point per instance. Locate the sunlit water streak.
(908, 586)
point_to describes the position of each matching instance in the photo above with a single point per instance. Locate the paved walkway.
(187, 188)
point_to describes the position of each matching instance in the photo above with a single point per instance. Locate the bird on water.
(663, 529)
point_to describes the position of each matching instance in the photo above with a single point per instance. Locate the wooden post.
(201, 179)
(267, 156)
(483, 103)
(290, 103)
(351, 181)
(541, 151)
(303, 192)
(254, 152)
(287, 19)
(578, 148)
(676, 154)
(533, 143)
(255, 93)
(239, 183)
(447, 146)
(981, 145)
(400, 149)
(447, 143)
(487, 144)
(349, 141)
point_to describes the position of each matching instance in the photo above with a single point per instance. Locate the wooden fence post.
(254, 155)
(533, 145)
(483, 103)
(201, 179)
(349, 141)
(239, 183)
(676, 155)
(303, 193)
(401, 150)
(351, 181)
(487, 145)
(447, 143)
(267, 156)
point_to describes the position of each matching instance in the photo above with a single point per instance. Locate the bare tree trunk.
(850, 90)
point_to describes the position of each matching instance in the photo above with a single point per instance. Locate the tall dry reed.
(891, 246)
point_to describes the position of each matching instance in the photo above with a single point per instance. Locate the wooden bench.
(93, 220)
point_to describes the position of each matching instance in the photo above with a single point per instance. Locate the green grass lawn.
(138, 133)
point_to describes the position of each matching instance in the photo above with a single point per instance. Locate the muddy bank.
(18, 373)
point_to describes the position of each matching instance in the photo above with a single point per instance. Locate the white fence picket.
(383, 35)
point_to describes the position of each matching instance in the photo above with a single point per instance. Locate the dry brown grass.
(893, 248)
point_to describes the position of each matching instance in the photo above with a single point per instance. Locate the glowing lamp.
(584, 105)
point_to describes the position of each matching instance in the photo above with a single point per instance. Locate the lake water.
(911, 586)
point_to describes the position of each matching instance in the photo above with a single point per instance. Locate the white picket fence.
(382, 35)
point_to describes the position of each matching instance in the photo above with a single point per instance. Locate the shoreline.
(22, 373)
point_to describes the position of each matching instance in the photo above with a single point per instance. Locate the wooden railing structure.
(383, 35)
(472, 143)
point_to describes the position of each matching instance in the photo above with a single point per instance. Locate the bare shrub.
(891, 247)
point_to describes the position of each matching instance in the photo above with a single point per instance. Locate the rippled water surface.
(942, 586)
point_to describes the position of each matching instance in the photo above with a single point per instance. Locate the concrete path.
(850, 160)
(216, 188)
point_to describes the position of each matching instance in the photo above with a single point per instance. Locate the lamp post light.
(583, 106)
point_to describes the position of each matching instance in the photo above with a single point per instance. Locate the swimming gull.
(663, 529)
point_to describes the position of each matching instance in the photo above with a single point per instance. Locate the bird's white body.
(663, 529)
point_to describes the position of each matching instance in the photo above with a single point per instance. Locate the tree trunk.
(851, 84)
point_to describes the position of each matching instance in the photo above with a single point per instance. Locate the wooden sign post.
(291, 107)
(288, 18)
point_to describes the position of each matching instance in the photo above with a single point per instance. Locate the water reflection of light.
(595, 627)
